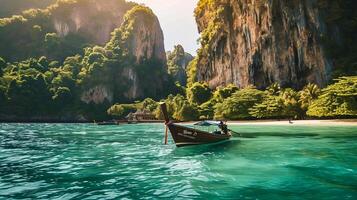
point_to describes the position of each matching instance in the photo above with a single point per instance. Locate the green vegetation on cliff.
(61, 30)
(177, 62)
(214, 24)
(191, 72)
(83, 86)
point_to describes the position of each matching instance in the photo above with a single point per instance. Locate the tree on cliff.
(177, 62)
(191, 71)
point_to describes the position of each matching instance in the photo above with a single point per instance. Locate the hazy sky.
(177, 22)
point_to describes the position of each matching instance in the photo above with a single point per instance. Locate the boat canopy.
(207, 123)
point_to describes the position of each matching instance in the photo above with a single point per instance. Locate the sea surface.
(85, 161)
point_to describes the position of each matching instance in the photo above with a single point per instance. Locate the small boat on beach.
(185, 136)
(107, 123)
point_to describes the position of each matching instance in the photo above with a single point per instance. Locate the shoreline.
(331, 122)
(313, 122)
(284, 122)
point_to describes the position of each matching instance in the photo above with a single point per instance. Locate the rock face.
(140, 68)
(72, 24)
(145, 45)
(259, 42)
(177, 62)
(134, 91)
(97, 95)
(146, 41)
(130, 66)
(92, 18)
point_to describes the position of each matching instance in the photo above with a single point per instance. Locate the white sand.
(336, 122)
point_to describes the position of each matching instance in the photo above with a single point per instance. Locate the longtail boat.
(185, 136)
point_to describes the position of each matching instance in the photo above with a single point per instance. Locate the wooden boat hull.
(185, 136)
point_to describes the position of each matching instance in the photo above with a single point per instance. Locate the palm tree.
(274, 89)
(290, 99)
(308, 94)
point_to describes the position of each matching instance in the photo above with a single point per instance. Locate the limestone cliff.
(130, 66)
(177, 62)
(92, 18)
(139, 62)
(145, 45)
(259, 42)
(60, 30)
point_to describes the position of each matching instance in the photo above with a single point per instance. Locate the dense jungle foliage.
(43, 87)
(338, 100)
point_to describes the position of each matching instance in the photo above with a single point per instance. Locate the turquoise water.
(84, 161)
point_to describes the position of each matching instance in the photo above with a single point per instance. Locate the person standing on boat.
(223, 127)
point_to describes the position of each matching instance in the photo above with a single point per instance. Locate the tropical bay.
(194, 99)
(84, 161)
(56, 65)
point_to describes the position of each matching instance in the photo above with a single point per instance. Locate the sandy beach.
(284, 122)
(335, 122)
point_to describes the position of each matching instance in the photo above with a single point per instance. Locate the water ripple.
(84, 161)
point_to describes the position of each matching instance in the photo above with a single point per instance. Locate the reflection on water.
(79, 161)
